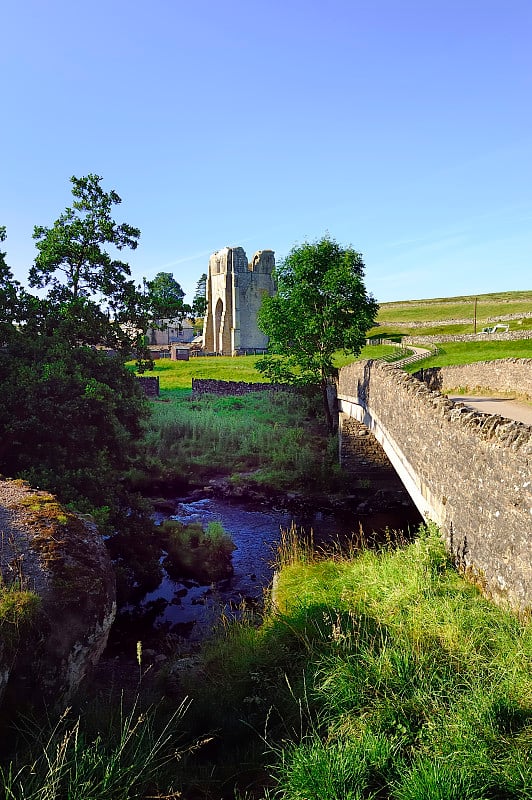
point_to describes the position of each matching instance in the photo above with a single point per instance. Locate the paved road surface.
(512, 409)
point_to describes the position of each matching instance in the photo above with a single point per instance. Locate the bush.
(193, 552)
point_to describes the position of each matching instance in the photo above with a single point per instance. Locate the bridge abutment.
(363, 456)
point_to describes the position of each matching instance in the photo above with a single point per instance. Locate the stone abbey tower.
(234, 293)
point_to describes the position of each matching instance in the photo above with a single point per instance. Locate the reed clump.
(141, 754)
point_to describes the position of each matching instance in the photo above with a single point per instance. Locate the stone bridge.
(470, 473)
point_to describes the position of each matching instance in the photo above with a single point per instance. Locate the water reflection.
(187, 609)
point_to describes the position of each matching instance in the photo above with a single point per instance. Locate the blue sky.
(401, 127)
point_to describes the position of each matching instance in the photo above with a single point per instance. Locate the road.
(505, 407)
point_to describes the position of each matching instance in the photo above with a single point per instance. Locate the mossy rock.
(58, 599)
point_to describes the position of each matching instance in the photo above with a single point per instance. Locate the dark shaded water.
(187, 611)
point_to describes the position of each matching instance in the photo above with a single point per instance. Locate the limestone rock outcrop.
(61, 562)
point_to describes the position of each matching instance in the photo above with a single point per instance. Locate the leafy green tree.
(71, 416)
(86, 283)
(74, 245)
(321, 306)
(165, 301)
(71, 423)
(199, 303)
(70, 420)
(9, 296)
(166, 297)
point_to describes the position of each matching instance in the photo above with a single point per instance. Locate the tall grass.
(276, 439)
(137, 758)
(384, 675)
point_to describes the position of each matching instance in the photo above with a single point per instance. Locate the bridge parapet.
(504, 375)
(469, 472)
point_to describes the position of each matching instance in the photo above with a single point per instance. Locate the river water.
(186, 611)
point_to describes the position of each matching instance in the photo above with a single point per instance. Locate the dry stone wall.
(437, 323)
(466, 337)
(150, 385)
(505, 375)
(473, 470)
(234, 388)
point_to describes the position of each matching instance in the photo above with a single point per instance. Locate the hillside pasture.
(469, 352)
(407, 317)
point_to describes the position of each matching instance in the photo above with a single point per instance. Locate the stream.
(184, 612)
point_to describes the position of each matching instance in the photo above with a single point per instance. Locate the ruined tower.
(234, 293)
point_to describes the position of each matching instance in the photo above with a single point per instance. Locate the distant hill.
(455, 314)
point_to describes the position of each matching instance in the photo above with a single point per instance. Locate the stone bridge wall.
(473, 472)
(512, 375)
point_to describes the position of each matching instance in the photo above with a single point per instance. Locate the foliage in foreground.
(137, 757)
(386, 675)
(377, 675)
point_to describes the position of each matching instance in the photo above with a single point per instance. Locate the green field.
(176, 376)
(398, 317)
(470, 352)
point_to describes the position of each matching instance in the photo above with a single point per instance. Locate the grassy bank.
(379, 676)
(264, 438)
(371, 676)
(469, 352)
